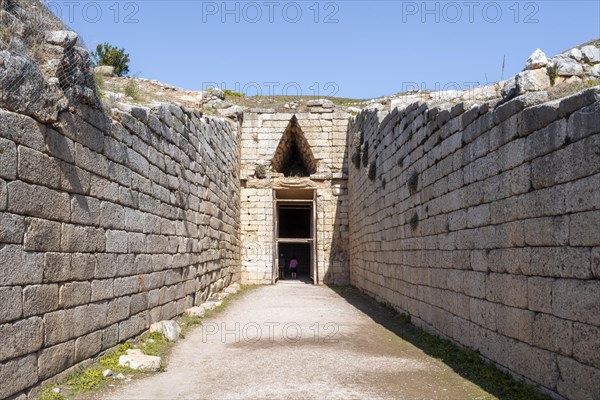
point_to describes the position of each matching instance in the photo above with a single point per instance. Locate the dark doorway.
(302, 251)
(294, 221)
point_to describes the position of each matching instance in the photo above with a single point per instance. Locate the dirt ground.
(299, 341)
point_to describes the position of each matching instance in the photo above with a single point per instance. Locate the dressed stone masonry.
(482, 223)
(322, 142)
(107, 225)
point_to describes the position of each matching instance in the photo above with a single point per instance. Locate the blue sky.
(360, 49)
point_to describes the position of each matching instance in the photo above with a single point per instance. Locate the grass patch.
(154, 344)
(131, 90)
(91, 379)
(467, 363)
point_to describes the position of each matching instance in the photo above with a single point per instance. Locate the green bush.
(106, 54)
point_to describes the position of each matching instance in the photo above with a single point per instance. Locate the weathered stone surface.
(55, 359)
(568, 67)
(30, 269)
(586, 344)
(116, 241)
(137, 360)
(102, 289)
(591, 54)
(583, 229)
(26, 90)
(12, 228)
(8, 159)
(536, 60)
(553, 334)
(61, 38)
(88, 346)
(169, 329)
(74, 294)
(12, 296)
(38, 201)
(40, 299)
(532, 81)
(83, 239)
(132, 326)
(42, 235)
(578, 381)
(576, 300)
(21, 337)
(38, 168)
(18, 374)
(196, 311)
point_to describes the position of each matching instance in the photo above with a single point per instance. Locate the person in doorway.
(281, 266)
(293, 266)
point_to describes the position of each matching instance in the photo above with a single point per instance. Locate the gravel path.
(298, 341)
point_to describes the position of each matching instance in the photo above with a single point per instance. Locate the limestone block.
(577, 101)
(133, 326)
(538, 365)
(576, 300)
(125, 286)
(507, 289)
(586, 344)
(30, 269)
(137, 360)
(8, 159)
(585, 121)
(546, 140)
(564, 262)
(38, 168)
(118, 309)
(553, 334)
(56, 359)
(104, 189)
(584, 229)
(18, 374)
(12, 296)
(532, 81)
(40, 299)
(539, 294)
(42, 235)
(576, 160)
(536, 60)
(21, 337)
(590, 54)
(567, 67)
(91, 160)
(74, 179)
(12, 228)
(112, 216)
(83, 239)
(483, 313)
(116, 241)
(87, 346)
(578, 381)
(102, 290)
(74, 294)
(549, 231)
(596, 262)
(38, 201)
(169, 329)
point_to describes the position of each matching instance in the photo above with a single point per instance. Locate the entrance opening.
(302, 252)
(295, 232)
(294, 221)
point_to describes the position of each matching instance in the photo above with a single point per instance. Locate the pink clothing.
(293, 264)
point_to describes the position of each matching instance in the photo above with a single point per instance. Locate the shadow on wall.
(338, 272)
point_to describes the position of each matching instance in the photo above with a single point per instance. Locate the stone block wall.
(482, 223)
(325, 130)
(108, 224)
